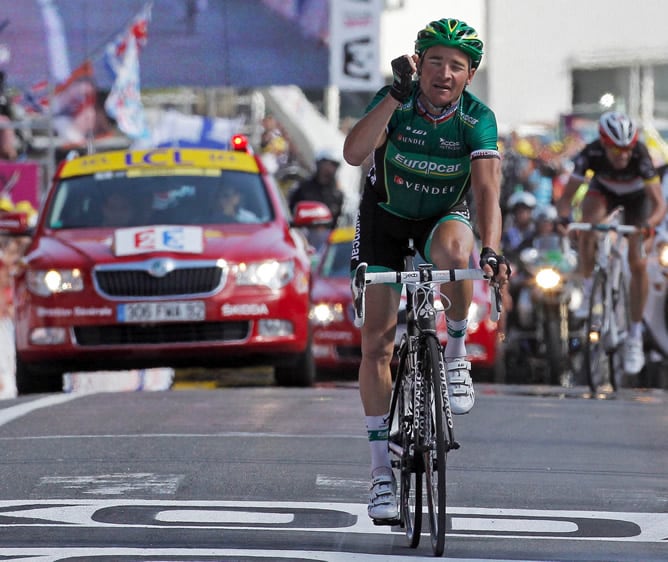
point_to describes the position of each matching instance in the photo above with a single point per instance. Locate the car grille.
(159, 278)
(182, 332)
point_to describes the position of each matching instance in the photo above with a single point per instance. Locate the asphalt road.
(265, 473)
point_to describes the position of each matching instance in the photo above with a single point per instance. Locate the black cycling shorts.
(381, 238)
(636, 208)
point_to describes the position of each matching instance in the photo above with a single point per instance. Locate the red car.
(174, 279)
(336, 341)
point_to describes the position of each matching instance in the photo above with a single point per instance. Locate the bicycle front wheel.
(403, 447)
(596, 360)
(621, 316)
(434, 442)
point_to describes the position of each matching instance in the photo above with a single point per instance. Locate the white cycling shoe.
(383, 498)
(634, 356)
(460, 386)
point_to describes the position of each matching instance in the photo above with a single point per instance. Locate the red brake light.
(240, 143)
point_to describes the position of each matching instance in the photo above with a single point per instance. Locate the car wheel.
(301, 372)
(30, 380)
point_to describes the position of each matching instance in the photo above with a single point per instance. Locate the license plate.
(185, 311)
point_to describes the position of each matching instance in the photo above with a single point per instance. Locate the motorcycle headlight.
(324, 313)
(273, 274)
(662, 250)
(47, 282)
(548, 278)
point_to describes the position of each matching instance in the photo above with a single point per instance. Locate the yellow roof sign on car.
(160, 158)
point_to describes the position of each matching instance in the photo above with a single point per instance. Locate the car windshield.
(119, 200)
(336, 260)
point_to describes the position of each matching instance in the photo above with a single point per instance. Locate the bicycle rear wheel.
(403, 446)
(435, 440)
(598, 366)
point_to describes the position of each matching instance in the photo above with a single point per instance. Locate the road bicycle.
(609, 318)
(421, 421)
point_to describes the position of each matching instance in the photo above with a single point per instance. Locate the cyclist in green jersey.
(431, 141)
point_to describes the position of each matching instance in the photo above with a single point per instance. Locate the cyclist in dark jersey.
(623, 175)
(431, 142)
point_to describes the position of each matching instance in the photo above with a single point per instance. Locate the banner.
(355, 44)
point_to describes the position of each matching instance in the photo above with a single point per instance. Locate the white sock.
(377, 428)
(456, 346)
(635, 332)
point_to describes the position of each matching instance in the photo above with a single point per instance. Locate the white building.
(546, 58)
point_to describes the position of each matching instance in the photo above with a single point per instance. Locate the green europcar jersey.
(423, 169)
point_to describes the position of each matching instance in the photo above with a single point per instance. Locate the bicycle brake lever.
(358, 287)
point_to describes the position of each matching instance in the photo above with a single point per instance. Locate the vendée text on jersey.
(425, 188)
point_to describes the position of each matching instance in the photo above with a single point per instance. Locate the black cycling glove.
(491, 258)
(402, 86)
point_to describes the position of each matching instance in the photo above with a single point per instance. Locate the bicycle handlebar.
(362, 278)
(603, 227)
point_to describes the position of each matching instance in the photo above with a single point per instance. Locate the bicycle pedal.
(454, 445)
(387, 522)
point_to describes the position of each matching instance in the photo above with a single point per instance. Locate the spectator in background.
(519, 224)
(7, 134)
(322, 186)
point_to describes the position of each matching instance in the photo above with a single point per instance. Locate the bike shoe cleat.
(460, 386)
(634, 356)
(383, 500)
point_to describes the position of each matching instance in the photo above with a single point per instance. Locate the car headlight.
(47, 282)
(662, 250)
(548, 278)
(323, 313)
(273, 274)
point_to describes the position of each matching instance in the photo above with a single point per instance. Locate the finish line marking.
(330, 518)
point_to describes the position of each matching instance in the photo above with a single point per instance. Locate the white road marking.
(58, 554)
(14, 412)
(258, 516)
(116, 484)
(216, 516)
(325, 481)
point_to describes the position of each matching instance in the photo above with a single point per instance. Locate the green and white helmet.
(451, 32)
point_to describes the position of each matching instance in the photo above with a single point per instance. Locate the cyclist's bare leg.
(375, 378)
(639, 283)
(594, 211)
(450, 248)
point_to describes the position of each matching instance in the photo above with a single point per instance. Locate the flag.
(56, 41)
(124, 101)
(114, 52)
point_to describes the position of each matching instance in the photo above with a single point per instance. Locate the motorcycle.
(543, 337)
(655, 314)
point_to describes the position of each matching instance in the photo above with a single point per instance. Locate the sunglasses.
(617, 149)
